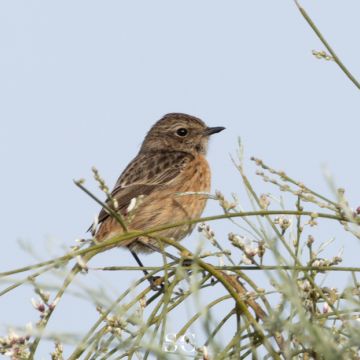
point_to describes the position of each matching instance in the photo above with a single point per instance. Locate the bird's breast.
(195, 177)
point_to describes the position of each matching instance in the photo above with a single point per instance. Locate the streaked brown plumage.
(171, 160)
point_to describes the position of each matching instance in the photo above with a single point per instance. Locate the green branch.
(327, 45)
(116, 240)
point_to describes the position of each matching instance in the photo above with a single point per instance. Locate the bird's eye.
(181, 132)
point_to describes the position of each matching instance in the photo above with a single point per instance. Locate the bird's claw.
(187, 262)
(156, 283)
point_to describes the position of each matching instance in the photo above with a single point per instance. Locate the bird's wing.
(144, 174)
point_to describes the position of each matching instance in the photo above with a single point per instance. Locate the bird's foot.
(156, 283)
(187, 262)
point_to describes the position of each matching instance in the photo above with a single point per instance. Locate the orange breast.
(168, 204)
(195, 178)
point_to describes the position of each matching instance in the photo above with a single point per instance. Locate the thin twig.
(326, 44)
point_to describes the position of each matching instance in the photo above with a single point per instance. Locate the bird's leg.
(152, 279)
(185, 262)
(157, 249)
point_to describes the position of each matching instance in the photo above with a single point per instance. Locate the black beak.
(213, 130)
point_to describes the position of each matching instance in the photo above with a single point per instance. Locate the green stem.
(115, 214)
(86, 340)
(327, 45)
(183, 330)
(244, 267)
(116, 240)
(234, 294)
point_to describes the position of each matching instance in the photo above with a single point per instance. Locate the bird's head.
(179, 132)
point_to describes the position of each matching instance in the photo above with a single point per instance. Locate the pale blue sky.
(82, 81)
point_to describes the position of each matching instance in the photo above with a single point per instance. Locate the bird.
(171, 162)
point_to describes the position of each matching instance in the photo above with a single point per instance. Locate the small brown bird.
(171, 161)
